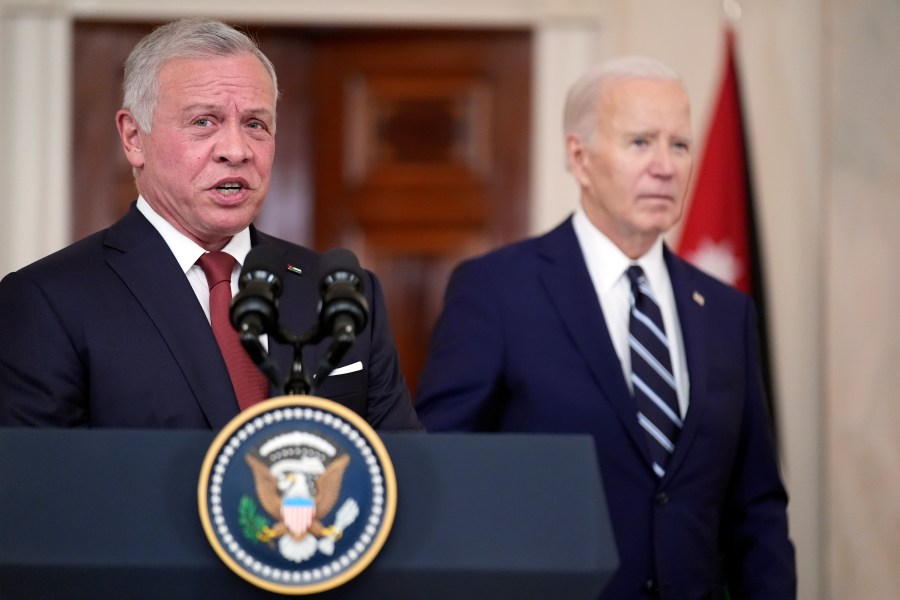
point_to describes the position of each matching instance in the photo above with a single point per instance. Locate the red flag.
(716, 231)
(719, 233)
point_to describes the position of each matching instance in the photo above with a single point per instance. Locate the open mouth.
(228, 189)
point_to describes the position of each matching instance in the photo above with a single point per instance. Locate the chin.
(234, 218)
(663, 220)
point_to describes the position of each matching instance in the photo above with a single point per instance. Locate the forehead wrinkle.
(214, 107)
(205, 108)
(208, 83)
(655, 133)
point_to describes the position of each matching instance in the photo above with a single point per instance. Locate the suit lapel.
(149, 270)
(567, 282)
(690, 304)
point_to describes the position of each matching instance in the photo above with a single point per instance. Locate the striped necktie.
(250, 385)
(652, 381)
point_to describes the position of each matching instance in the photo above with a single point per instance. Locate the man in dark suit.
(544, 336)
(114, 331)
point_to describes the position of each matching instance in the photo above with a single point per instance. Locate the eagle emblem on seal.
(297, 478)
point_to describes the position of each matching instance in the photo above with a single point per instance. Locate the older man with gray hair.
(598, 328)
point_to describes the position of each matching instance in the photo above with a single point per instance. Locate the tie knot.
(217, 267)
(636, 275)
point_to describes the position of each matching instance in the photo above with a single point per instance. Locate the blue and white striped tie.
(652, 381)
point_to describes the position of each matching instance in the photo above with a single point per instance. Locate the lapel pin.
(699, 299)
(294, 269)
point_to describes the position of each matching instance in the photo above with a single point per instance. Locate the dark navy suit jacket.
(109, 333)
(522, 346)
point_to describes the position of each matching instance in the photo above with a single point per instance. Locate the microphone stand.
(342, 310)
(254, 347)
(298, 381)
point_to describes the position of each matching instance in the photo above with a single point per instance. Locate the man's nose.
(232, 146)
(663, 164)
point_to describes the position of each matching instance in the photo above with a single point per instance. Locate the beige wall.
(820, 86)
(862, 311)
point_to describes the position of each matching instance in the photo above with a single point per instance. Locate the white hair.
(185, 38)
(583, 98)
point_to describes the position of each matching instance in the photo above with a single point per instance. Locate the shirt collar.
(186, 250)
(607, 263)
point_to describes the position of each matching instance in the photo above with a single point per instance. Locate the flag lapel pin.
(295, 269)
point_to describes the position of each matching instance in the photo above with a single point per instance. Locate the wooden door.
(102, 184)
(408, 146)
(422, 147)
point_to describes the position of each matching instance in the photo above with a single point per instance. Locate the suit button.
(652, 587)
(662, 499)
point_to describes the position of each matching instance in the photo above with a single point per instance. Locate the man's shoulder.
(298, 256)
(259, 237)
(130, 229)
(683, 273)
(526, 251)
(76, 256)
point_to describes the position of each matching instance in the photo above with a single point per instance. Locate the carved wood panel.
(422, 160)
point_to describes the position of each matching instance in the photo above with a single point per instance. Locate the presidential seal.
(297, 494)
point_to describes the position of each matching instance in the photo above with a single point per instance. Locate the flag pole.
(732, 11)
(720, 229)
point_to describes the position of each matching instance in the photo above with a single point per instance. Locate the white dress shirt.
(607, 266)
(187, 251)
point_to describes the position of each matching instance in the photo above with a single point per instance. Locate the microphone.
(254, 309)
(343, 310)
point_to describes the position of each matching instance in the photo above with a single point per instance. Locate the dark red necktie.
(250, 385)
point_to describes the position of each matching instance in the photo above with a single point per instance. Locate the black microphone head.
(342, 291)
(256, 303)
(341, 265)
(264, 262)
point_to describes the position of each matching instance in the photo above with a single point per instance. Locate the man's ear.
(130, 135)
(576, 157)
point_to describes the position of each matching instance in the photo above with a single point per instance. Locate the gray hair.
(186, 38)
(583, 99)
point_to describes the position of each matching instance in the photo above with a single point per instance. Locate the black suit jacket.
(522, 346)
(108, 333)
